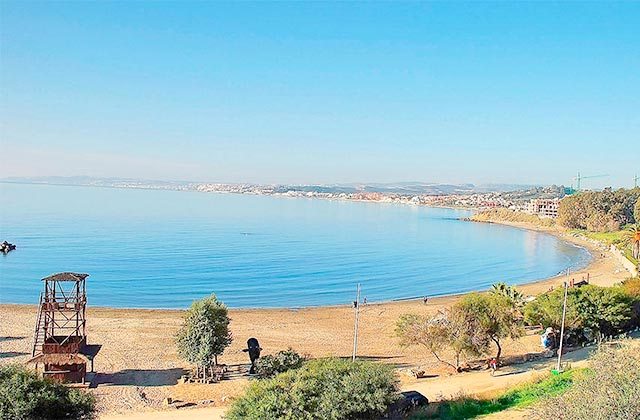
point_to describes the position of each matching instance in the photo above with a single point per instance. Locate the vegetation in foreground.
(610, 391)
(320, 389)
(519, 397)
(24, 396)
(284, 360)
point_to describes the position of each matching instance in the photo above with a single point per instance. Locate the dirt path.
(478, 383)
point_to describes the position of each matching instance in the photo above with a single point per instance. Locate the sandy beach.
(138, 366)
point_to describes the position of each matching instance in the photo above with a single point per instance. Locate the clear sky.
(322, 92)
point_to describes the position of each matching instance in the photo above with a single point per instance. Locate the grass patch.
(618, 238)
(519, 397)
(609, 238)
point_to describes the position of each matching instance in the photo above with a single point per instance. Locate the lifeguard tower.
(60, 349)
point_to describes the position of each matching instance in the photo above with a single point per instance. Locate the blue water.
(162, 249)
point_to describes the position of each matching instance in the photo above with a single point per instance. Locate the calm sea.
(162, 249)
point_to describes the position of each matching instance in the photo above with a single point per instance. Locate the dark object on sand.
(253, 347)
(6, 247)
(408, 402)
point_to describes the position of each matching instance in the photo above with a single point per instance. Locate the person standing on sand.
(493, 365)
(425, 299)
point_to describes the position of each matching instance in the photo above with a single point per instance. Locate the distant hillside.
(402, 188)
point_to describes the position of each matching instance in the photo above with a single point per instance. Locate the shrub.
(611, 391)
(282, 361)
(205, 332)
(607, 310)
(25, 396)
(320, 389)
(631, 287)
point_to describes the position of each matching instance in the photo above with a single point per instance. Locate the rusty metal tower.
(60, 349)
(61, 321)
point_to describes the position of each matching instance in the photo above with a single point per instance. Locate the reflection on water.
(164, 248)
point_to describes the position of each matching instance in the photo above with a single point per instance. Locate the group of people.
(6, 247)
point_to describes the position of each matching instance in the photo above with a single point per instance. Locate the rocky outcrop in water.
(6, 247)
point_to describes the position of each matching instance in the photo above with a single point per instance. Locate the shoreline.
(595, 250)
(138, 365)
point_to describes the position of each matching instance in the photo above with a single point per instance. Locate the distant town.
(540, 200)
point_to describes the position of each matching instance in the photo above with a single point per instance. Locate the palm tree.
(633, 233)
(511, 292)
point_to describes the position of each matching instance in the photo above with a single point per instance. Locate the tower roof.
(66, 277)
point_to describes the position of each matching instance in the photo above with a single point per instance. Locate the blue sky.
(321, 92)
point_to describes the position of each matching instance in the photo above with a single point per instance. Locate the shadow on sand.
(9, 338)
(140, 377)
(8, 354)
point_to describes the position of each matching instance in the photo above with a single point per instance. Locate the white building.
(544, 207)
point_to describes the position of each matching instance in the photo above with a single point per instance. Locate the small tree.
(205, 333)
(449, 329)
(494, 315)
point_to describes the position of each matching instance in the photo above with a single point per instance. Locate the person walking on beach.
(425, 299)
(493, 365)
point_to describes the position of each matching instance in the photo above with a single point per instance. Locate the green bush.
(607, 310)
(320, 389)
(25, 396)
(282, 361)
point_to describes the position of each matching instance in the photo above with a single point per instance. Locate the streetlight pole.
(356, 306)
(564, 314)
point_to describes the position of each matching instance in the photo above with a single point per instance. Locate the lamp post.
(356, 306)
(564, 314)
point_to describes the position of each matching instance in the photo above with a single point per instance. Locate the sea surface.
(163, 249)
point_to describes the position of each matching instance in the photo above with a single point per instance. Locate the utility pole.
(356, 307)
(564, 314)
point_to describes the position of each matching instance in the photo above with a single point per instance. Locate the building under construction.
(60, 349)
